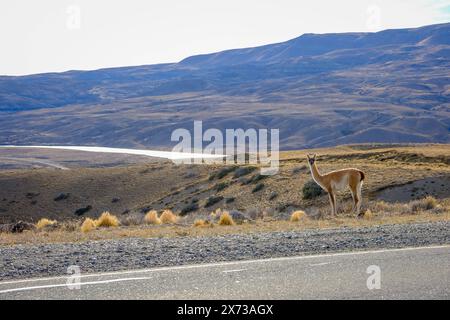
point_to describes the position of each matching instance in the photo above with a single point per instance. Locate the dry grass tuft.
(107, 220)
(226, 219)
(427, 203)
(368, 215)
(152, 218)
(385, 208)
(216, 213)
(259, 226)
(88, 225)
(380, 206)
(133, 219)
(44, 222)
(298, 215)
(168, 217)
(254, 213)
(397, 208)
(201, 223)
(69, 226)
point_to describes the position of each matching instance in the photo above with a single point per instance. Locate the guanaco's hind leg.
(353, 193)
(358, 199)
(356, 195)
(332, 197)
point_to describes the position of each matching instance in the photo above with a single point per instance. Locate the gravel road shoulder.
(27, 261)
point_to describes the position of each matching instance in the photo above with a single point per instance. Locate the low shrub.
(189, 208)
(312, 190)
(221, 173)
(254, 213)
(258, 187)
(230, 200)
(212, 201)
(224, 172)
(238, 216)
(243, 171)
(258, 178)
(273, 195)
(220, 186)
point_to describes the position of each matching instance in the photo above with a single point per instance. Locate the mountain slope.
(319, 90)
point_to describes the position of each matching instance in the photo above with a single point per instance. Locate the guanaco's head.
(311, 159)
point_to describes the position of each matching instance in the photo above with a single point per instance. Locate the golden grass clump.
(107, 220)
(152, 218)
(381, 206)
(68, 226)
(216, 213)
(201, 223)
(427, 203)
(298, 215)
(226, 219)
(384, 208)
(430, 203)
(88, 225)
(168, 217)
(368, 215)
(44, 222)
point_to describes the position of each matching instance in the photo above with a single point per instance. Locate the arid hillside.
(385, 87)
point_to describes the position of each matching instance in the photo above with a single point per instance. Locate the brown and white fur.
(338, 180)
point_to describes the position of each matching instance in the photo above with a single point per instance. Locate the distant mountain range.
(318, 89)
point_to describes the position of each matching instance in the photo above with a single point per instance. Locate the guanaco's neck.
(315, 172)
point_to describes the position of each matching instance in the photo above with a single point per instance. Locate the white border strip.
(49, 286)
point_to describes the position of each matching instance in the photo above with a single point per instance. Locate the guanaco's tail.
(363, 176)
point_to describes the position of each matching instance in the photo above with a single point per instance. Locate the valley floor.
(130, 186)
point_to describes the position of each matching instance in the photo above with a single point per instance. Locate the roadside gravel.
(27, 261)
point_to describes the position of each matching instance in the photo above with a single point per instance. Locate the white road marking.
(320, 264)
(236, 270)
(231, 263)
(72, 284)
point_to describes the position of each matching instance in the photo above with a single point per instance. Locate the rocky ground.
(25, 261)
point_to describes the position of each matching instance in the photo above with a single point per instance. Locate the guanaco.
(338, 180)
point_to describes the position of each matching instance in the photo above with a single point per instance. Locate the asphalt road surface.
(408, 273)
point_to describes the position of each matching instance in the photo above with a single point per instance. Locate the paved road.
(38, 161)
(412, 273)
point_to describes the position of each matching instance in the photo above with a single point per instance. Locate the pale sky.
(59, 35)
